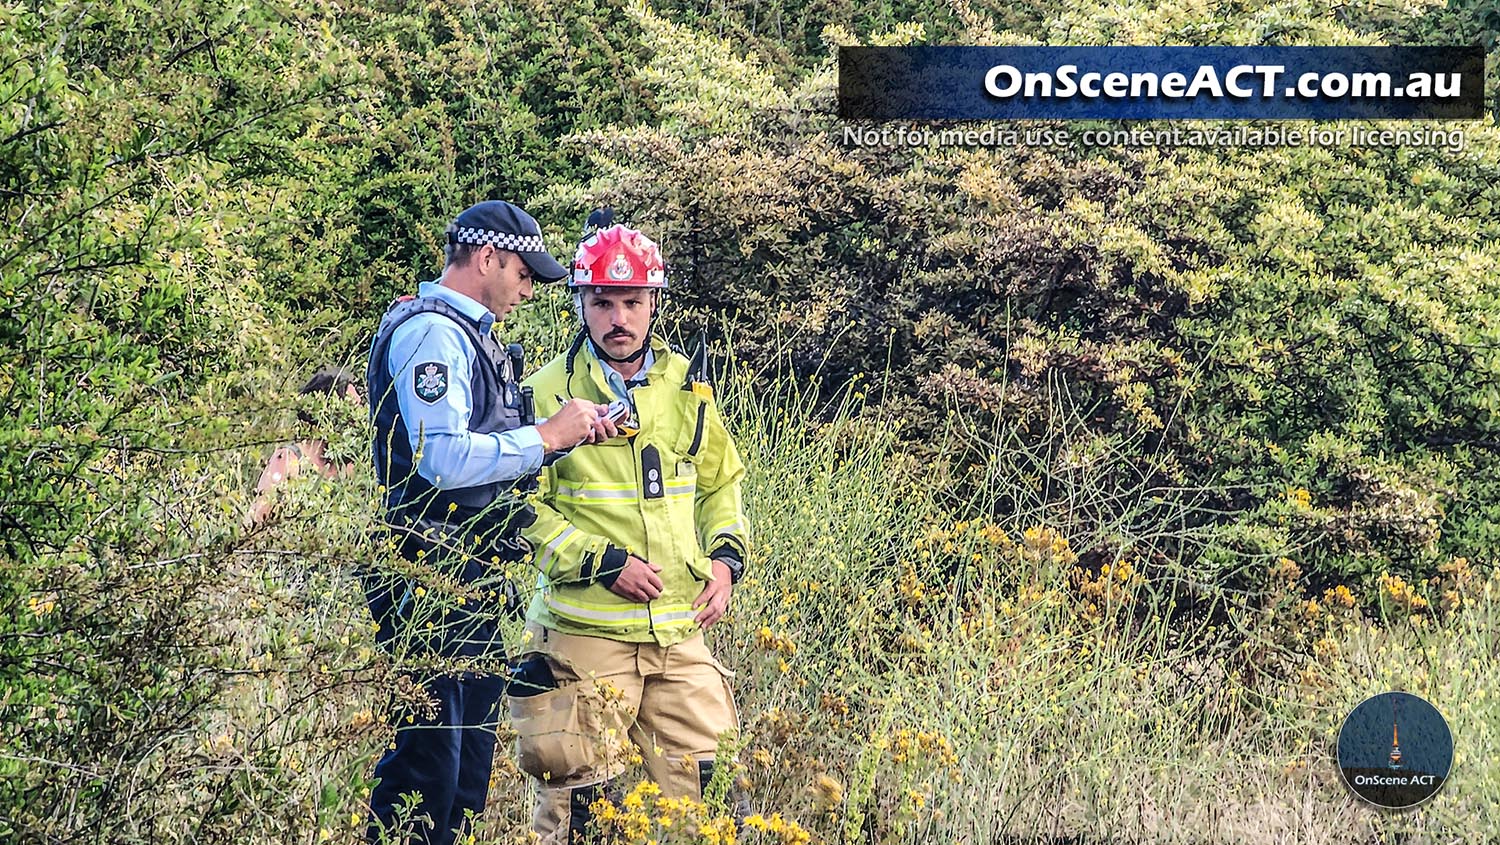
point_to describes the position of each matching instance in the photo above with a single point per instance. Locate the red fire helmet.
(618, 257)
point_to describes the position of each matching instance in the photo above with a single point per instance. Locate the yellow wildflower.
(827, 792)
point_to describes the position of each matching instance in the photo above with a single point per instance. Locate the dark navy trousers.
(445, 761)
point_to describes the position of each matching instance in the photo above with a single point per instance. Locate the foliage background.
(1252, 377)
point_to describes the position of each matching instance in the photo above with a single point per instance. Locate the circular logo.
(1395, 750)
(620, 270)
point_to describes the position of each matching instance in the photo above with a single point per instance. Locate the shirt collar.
(617, 381)
(466, 306)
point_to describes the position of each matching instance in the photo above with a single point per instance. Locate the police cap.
(505, 226)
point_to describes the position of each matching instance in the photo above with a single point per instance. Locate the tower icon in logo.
(1395, 763)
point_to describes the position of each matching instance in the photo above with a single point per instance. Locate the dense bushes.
(141, 147)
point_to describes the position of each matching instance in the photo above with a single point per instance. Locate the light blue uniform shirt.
(617, 381)
(452, 456)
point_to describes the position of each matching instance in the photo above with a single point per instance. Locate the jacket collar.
(467, 306)
(585, 360)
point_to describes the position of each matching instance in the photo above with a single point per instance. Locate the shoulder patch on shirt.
(430, 381)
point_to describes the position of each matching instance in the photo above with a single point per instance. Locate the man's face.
(509, 281)
(618, 318)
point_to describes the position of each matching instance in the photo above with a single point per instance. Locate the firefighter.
(638, 542)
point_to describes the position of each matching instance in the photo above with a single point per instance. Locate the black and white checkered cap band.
(500, 240)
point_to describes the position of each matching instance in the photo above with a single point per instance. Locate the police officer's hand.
(604, 427)
(638, 581)
(715, 596)
(577, 421)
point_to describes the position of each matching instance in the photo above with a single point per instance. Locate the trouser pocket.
(728, 679)
(385, 595)
(559, 737)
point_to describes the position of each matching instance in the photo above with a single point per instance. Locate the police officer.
(451, 443)
(638, 542)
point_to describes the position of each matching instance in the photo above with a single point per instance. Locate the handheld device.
(619, 414)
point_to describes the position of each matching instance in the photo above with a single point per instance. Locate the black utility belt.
(482, 536)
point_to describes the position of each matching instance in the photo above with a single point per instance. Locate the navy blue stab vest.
(496, 408)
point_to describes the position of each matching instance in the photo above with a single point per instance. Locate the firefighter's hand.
(638, 581)
(715, 597)
(577, 421)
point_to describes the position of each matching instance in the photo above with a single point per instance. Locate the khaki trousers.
(673, 703)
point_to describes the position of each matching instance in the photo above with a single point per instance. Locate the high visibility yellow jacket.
(670, 495)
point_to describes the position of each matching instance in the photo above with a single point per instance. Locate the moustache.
(618, 333)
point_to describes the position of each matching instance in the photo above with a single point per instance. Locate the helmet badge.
(620, 270)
